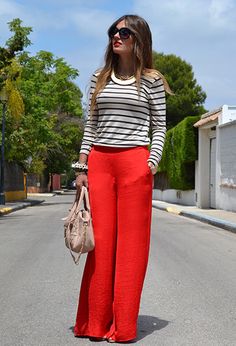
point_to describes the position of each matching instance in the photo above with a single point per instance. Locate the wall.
(56, 181)
(43, 183)
(14, 180)
(202, 179)
(226, 167)
(37, 183)
(175, 196)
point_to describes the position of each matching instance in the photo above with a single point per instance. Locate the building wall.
(202, 185)
(226, 167)
(43, 183)
(56, 182)
(204, 164)
(14, 181)
(175, 196)
(37, 183)
(223, 178)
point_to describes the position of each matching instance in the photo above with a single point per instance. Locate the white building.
(216, 165)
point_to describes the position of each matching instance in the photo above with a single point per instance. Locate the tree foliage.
(47, 84)
(15, 102)
(180, 153)
(47, 136)
(15, 44)
(189, 96)
(10, 70)
(52, 103)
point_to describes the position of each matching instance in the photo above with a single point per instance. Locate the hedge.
(179, 154)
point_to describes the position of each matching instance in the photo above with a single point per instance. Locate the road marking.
(5, 210)
(173, 210)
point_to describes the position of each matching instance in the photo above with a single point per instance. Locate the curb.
(227, 225)
(8, 210)
(41, 194)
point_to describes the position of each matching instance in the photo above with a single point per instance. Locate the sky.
(201, 32)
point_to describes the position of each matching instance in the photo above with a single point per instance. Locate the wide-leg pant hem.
(104, 336)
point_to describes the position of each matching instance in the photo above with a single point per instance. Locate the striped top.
(123, 117)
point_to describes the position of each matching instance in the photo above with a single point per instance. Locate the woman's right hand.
(81, 180)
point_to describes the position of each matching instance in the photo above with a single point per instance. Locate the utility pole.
(3, 100)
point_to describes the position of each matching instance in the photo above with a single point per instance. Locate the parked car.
(72, 185)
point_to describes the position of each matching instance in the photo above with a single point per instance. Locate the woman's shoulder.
(152, 76)
(155, 79)
(93, 79)
(96, 73)
(94, 76)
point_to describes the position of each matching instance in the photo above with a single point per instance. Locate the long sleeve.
(91, 124)
(157, 103)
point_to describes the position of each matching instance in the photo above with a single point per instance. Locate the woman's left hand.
(152, 168)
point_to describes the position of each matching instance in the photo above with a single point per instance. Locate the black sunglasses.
(124, 33)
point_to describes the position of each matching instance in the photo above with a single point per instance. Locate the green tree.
(10, 70)
(180, 154)
(189, 96)
(43, 122)
(52, 104)
(47, 85)
(16, 43)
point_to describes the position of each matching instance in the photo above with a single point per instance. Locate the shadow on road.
(51, 203)
(149, 324)
(13, 216)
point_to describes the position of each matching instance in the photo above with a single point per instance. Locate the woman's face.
(120, 45)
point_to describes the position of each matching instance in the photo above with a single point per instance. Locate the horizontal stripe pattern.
(123, 116)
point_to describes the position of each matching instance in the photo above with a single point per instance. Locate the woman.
(126, 95)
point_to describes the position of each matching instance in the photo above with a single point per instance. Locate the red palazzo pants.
(120, 189)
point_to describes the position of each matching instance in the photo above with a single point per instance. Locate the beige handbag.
(78, 230)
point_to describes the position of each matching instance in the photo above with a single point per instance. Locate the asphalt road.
(189, 297)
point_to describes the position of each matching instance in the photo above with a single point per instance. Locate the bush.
(180, 153)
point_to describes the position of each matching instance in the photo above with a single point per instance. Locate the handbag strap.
(83, 196)
(79, 198)
(86, 199)
(76, 204)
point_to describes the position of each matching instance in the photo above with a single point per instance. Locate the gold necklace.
(123, 77)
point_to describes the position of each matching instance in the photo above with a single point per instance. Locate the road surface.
(189, 296)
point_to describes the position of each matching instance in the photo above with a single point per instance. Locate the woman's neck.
(125, 67)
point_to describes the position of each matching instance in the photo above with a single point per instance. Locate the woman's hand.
(152, 168)
(81, 180)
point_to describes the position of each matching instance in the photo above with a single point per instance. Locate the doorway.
(213, 173)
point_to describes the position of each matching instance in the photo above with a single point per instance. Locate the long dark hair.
(143, 61)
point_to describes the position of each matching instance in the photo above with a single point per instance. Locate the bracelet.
(80, 167)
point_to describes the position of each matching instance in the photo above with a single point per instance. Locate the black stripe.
(122, 113)
(122, 104)
(122, 122)
(126, 128)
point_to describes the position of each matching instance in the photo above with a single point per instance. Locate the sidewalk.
(33, 199)
(9, 207)
(216, 217)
